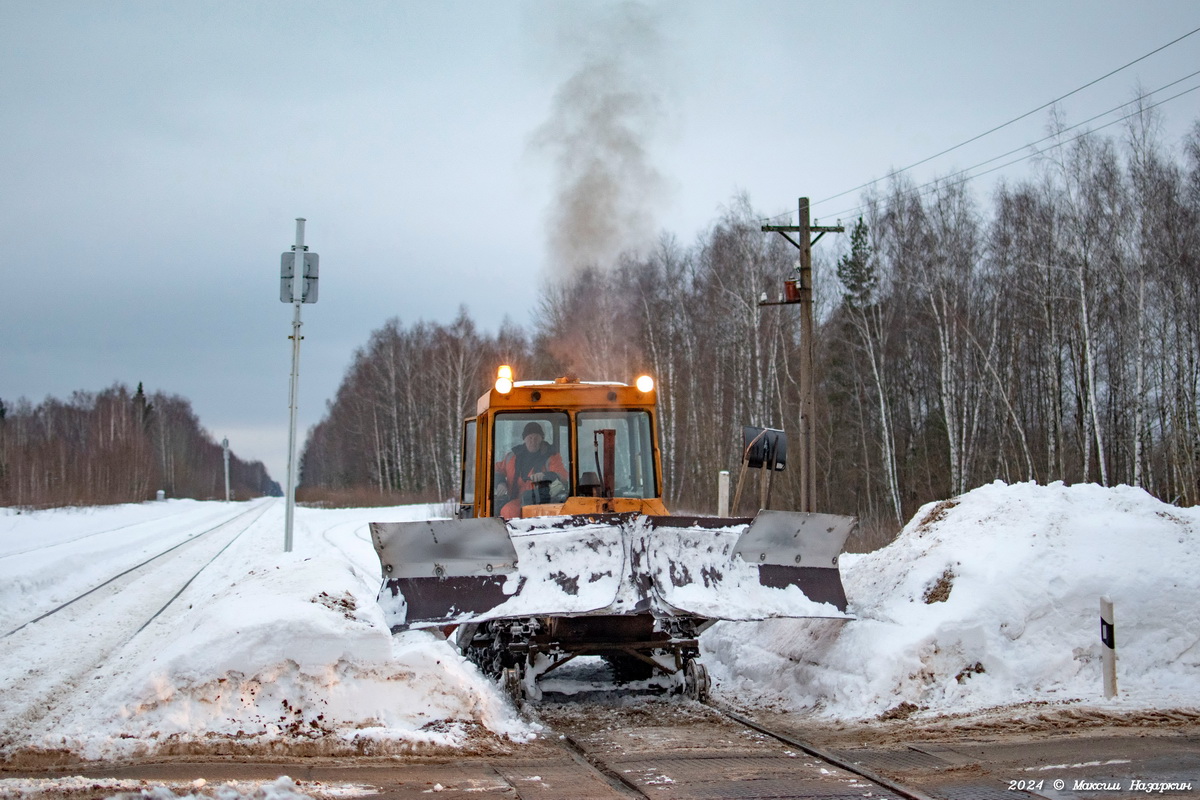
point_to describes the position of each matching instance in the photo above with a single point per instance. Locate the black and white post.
(298, 285)
(1108, 647)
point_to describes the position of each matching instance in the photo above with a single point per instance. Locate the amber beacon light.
(644, 384)
(504, 379)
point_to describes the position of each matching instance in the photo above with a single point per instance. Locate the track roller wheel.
(513, 686)
(695, 680)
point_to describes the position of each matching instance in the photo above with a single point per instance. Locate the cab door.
(470, 460)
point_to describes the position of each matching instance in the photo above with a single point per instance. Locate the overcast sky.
(154, 156)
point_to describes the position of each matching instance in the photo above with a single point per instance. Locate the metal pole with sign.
(296, 286)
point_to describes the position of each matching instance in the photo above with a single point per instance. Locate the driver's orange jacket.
(517, 476)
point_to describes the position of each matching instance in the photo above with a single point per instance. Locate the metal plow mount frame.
(445, 572)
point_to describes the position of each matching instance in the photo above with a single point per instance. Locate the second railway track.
(133, 570)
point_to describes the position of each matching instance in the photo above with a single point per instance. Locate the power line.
(1013, 120)
(950, 180)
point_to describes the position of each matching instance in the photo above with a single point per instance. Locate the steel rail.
(816, 752)
(620, 782)
(203, 567)
(613, 778)
(93, 590)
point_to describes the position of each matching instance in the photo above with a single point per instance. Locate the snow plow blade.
(446, 572)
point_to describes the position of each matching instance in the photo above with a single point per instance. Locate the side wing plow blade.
(799, 549)
(439, 571)
(781, 564)
(445, 572)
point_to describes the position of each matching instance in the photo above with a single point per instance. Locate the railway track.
(665, 750)
(679, 749)
(154, 524)
(684, 749)
(610, 746)
(103, 624)
(258, 510)
(840, 762)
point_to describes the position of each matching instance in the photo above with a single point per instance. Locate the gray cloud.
(155, 155)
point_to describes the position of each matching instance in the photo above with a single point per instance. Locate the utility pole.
(808, 450)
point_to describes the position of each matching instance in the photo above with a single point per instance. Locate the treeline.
(1053, 335)
(394, 425)
(115, 447)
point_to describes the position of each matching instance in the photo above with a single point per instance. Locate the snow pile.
(297, 650)
(987, 600)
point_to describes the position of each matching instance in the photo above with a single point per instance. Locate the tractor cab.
(545, 448)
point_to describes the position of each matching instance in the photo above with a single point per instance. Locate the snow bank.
(297, 650)
(987, 600)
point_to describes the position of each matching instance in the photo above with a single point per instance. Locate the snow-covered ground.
(262, 649)
(987, 600)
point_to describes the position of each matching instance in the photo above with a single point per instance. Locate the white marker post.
(723, 493)
(225, 448)
(298, 285)
(1108, 641)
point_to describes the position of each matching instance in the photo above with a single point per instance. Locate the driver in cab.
(526, 471)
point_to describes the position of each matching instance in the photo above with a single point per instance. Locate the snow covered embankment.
(988, 600)
(299, 651)
(264, 652)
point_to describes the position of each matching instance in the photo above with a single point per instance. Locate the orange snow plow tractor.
(563, 547)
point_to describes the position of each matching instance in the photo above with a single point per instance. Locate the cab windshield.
(533, 459)
(633, 468)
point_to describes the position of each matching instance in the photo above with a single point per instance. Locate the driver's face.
(533, 441)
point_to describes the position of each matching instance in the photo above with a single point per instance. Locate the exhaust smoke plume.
(603, 117)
